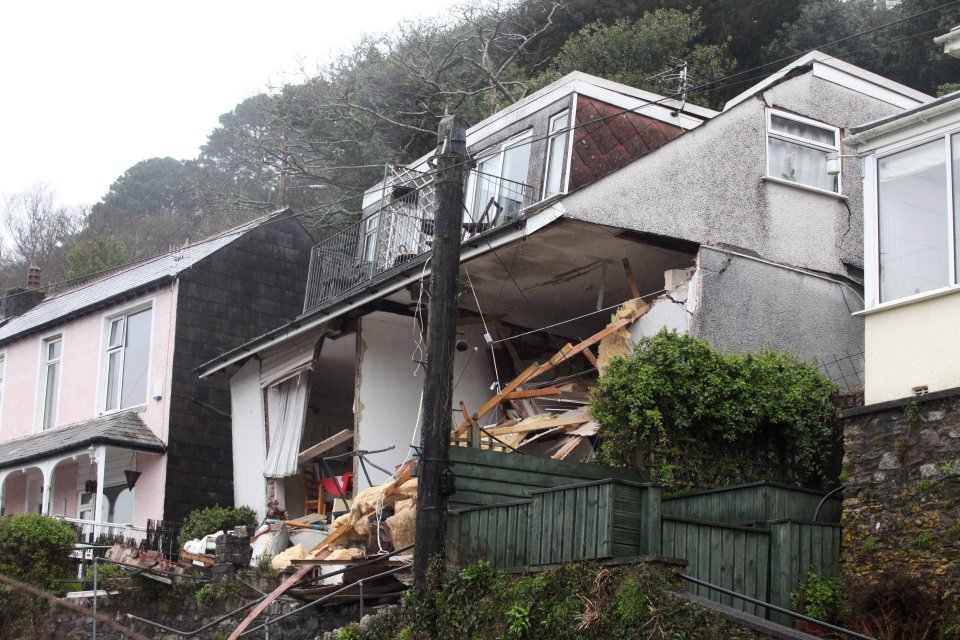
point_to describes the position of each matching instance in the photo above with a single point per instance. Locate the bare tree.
(39, 229)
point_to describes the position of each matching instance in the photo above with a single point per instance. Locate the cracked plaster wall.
(708, 185)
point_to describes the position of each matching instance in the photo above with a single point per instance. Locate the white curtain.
(287, 410)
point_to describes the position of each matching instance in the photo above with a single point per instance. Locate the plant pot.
(90, 486)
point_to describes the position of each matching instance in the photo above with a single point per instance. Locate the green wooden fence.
(488, 478)
(753, 503)
(587, 521)
(795, 549)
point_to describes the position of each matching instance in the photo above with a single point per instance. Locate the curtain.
(287, 411)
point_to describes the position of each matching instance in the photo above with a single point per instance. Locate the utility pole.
(434, 469)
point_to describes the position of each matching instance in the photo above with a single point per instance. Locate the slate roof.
(139, 276)
(120, 429)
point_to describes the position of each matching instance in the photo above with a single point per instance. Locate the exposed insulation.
(282, 560)
(616, 344)
(402, 527)
(367, 500)
(403, 504)
(347, 553)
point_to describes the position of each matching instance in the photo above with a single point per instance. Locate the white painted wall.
(249, 448)
(389, 393)
(912, 345)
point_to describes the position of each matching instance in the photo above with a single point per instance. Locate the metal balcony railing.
(402, 229)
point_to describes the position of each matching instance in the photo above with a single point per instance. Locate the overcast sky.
(90, 88)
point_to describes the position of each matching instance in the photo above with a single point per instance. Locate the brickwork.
(902, 499)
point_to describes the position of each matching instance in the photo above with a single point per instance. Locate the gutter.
(924, 114)
(376, 289)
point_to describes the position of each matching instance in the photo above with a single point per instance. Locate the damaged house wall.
(697, 189)
(389, 392)
(249, 444)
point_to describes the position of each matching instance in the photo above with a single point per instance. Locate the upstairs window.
(554, 180)
(797, 150)
(501, 178)
(128, 357)
(916, 218)
(51, 356)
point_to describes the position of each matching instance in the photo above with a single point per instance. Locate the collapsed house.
(585, 195)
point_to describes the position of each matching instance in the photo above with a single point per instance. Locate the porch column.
(3, 489)
(101, 455)
(46, 487)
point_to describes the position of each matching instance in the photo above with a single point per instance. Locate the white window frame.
(487, 155)
(565, 161)
(43, 364)
(871, 202)
(107, 320)
(804, 142)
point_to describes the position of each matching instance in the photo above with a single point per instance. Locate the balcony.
(402, 229)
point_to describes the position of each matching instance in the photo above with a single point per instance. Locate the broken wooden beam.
(634, 289)
(533, 424)
(310, 453)
(533, 393)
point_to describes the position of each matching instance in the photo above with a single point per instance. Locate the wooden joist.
(634, 289)
(534, 424)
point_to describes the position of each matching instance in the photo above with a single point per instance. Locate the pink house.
(101, 417)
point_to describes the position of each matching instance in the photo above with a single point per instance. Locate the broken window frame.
(803, 143)
(500, 152)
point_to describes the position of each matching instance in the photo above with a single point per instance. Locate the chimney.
(20, 300)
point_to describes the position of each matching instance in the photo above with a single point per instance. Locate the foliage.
(34, 549)
(203, 522)
(898, 606)
(677, 398)
(637, 52)
(94, 256)
(818, 597)
(39, 229)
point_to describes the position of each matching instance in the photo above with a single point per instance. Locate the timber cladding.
(245, 289)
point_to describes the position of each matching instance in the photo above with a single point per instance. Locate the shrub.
(35, 549)
(819, 597)
(677, 398)
(203, 522)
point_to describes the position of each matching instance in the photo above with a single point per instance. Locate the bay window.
(797, 150)
(916, 215)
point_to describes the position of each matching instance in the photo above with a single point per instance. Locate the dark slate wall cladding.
(901, 506)
(244, 290)
(613, 140)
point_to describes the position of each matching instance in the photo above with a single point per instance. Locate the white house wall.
(389, 393)
(249, 447)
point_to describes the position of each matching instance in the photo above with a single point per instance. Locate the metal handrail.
(773, 607)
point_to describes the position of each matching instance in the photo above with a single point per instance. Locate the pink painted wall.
(148, 498)
(15, 492)
(83, 370)
(65, 490)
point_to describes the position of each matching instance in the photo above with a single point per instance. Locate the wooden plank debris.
(312, 452)
(533, 393)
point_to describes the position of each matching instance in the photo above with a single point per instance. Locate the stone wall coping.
(900, 402)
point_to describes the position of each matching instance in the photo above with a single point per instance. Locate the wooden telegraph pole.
(451, 158)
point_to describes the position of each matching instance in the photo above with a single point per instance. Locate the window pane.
(113, 379)
(53, 350)
(133, 388)
(486, 187)
(797, 163)
(913, 221)
(116, 332)
(51, 388)
(955, 146)
(516, 161)
(556, 154)
(811, 132)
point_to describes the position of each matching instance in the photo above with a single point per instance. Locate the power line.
(710, 86)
